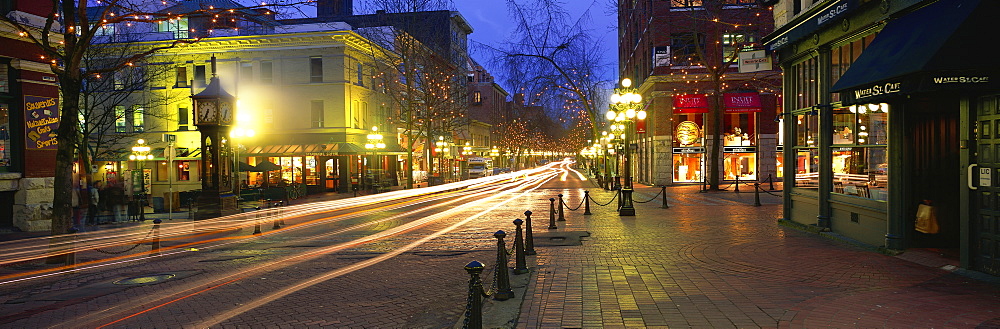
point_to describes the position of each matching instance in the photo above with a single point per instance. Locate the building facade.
(889, 111)
(685, 57)
(29, 116)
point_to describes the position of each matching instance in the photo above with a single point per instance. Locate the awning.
(935, 48)
(691, 103)
(329, 149)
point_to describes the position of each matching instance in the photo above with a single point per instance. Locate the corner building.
(683, 56)
(889, 105)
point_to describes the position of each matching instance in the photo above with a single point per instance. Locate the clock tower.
(213, 113)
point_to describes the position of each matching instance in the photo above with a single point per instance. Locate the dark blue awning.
(942, 46)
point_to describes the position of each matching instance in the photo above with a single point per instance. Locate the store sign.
(741, 102)
(739, 149)
(985, 177)
(754, 61)
(661, 56)
(689, 150)
(691, 103)
(878, 90)
(42, 120)
(961, 80)
(640, 126)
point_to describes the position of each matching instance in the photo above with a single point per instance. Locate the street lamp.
(140, 153)
(374, 144)
(441, 147)
(238, 133)
(626, 106)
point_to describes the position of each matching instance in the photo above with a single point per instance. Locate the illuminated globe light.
(630, 113)
(641, 115)
(626, 82)
(616, 98)
(620, 117)
(611, 115)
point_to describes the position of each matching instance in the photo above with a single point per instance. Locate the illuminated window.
(120, 119)
(138, 119)
(685, 3)
(477, 98)
(179, 27)
(183, 170)
(686, 48)
(860, 153)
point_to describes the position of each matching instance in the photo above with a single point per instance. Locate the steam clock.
(213, 112)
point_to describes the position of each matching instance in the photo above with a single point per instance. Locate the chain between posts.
(129, 248)
(650, 199)
(609, 201)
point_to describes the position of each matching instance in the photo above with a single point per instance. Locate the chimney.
(334, 8)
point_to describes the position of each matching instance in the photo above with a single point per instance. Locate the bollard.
(529, 239)
(502, 277)
(256, 219)
(771, 181)
(520, 266)
(586, 202)
(561, 205)
(281, 212)
(756, 194)
(156, 237)
(737, 183)
(474, 306)
(274, 218)
(663, 192)
(552, 214)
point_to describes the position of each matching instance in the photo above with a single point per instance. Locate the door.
(985, 217)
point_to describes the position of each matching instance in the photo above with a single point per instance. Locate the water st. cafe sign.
(881, 89)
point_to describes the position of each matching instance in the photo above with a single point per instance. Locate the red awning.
(691, 103)
(741, 102)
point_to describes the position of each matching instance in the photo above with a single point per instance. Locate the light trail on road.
(434, 205)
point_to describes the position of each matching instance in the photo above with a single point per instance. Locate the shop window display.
(688, 153)
(861, 161)
(740, 165)
(806, 151)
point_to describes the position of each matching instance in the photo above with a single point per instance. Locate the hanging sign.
(41, 117)
(754, 61)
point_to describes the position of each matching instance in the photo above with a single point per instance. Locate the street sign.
(754, 61)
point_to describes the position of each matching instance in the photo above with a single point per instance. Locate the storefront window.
(162, 171)
(688, 167)
(291, 169)
(807, 166)
(806, 128)
(861, 163)
(184, 170)
(311, 173)
(741, 165)
(688, 132)
(4, 135)
(740, 129)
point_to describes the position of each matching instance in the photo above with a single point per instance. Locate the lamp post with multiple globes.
(626, 106)
(375, 143)
(140, 154)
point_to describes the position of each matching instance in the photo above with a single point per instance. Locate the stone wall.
(33, 204)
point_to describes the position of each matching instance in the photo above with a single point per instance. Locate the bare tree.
(425, 81)
(556, 61)
(69, 30)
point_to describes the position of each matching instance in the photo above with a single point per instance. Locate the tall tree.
(556, 61)
(66, 34)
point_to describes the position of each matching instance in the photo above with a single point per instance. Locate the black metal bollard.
(663, 192)
(737, 183)
(520, 266)
(756, 194)
(586, 202)
(156, 236)
(529, 240)
(503, 278)
(256, 219)
(771, 181)
(474, 306)
(552, 214)
(562, 204)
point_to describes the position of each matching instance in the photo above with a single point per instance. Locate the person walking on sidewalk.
(92, 208)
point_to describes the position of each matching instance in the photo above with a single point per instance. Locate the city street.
(395, 260)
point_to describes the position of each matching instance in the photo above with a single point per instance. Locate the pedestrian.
(92, 208)
(77, 209)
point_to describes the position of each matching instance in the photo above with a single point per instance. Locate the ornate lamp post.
(374, 144)
(140, 154)
(239, 133)
(626, 105)
(214, 109)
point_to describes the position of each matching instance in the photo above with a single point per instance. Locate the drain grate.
(146, 279)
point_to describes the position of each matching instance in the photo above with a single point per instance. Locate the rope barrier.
(650, 199)
(126, 250)
(610, 201)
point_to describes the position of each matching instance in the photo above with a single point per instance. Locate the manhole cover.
(148, 279)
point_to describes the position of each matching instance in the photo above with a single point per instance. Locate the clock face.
(206, 111)
(226, 112)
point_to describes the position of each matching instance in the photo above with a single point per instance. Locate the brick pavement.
(712, 260)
